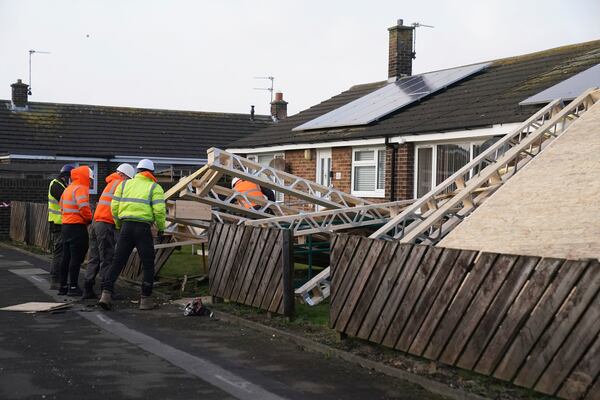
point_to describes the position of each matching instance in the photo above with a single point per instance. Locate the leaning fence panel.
(528, 320)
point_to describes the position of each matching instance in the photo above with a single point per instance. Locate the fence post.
(287, 263)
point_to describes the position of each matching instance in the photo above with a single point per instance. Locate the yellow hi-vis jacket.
(140, 199)
(54, 214)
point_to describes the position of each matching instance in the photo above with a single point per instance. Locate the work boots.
(105, 300)
(146, 303)
(74, 291)
(88, 291)
(63, 290)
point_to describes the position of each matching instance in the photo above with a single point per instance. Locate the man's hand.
(160, 234)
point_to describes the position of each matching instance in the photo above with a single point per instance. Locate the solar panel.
(390, 98)
(567, 89)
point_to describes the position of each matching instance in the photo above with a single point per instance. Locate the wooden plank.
(238, 265)
(427, 296)
(384, 291)
(338, 302)
(386, 318)
(175, 244)
(268, 243)
(274, 291)
(287, 266)
(186, 209)
(356, 290)
(594, 392)
(462, 266)
(245, 263)
(222, 279)
(519, 312)
(272, 265)
(582, 377)
(553, 297)
(574, 347)
(216, 257)
(496, 312)
(224, 255)
(215, 233)
(340, 264)
(412, 294)
(563, 322)
(184, 182)
(461, 301)
(254, 265)
(478, 307)
(371, 288)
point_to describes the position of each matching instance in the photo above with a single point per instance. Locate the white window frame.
(377, 193)
(279, 197)
(434, 147)
(94, 166)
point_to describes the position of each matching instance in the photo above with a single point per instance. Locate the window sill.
(377, 195)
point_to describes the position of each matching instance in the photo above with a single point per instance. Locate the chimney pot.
(19, 94)
(401, 52)
(279, 107)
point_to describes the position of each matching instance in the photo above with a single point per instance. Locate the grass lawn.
(183, 262)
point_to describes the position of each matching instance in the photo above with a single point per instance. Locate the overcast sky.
(202, 55)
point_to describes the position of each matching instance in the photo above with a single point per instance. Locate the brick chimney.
(401, 50)
(19, 94)
(279, 107)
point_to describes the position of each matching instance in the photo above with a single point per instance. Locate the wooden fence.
(252, 266)
(528, 320)
(29, 224)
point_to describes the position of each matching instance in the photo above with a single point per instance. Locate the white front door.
(323, 168)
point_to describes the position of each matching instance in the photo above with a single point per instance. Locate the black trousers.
(75, 247)
(138, 235)
(56, 244)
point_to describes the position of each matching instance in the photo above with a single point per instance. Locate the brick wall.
(300, 166)
(404, 185)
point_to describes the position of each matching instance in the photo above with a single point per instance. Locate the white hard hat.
(91, 173)
(146, 164)
(234, 181)
(126, 169)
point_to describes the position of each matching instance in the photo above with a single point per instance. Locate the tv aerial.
(270, 89)
(32, 52)
(417, 25)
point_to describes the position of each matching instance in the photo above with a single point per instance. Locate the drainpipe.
(394, 147)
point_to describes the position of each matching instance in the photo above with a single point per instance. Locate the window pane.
(265, 159)
(364, 178)
(381, 169)
(451, 158)
(367, 155)
(424, 166)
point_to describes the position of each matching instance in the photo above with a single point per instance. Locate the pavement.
(85, 353)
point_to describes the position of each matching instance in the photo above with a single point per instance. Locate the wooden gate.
(29, 224)
(252, 266)
(528, 320)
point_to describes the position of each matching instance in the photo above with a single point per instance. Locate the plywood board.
(550, 208)
(34, 306)
(186, 209)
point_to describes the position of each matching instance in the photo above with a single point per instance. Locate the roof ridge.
(129, 109)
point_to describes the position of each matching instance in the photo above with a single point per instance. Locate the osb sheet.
(551, 208)
(35, 307)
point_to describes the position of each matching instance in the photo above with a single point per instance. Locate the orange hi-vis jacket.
(249, 189)
(75, 201)
(103, 211)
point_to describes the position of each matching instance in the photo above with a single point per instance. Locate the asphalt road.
(84, 353)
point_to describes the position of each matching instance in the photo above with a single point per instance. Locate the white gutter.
(499, 129)
(52, 158)
(302, 146)
(162, 160)
(119, 159)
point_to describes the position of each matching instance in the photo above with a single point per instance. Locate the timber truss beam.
(433, 216)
